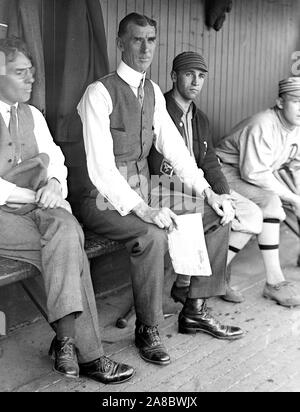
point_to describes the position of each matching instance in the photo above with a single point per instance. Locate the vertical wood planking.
(163, 45)
(246, 58)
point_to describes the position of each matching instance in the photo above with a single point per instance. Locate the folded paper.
(187, 247)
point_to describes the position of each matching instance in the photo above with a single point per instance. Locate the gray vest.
(131, 127)
(26, 144)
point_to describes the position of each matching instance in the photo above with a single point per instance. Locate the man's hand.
(222, 205)
(50, 196)
(164, 218)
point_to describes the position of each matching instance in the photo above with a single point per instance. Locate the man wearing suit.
(36, 224)
(122, 115)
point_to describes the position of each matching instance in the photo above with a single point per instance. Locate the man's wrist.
(140, 209)
(207, 193)
(55, 180)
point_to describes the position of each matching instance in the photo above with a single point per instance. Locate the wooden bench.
(12, 271)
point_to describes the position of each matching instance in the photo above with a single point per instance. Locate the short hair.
(138, 19)
(11, 46)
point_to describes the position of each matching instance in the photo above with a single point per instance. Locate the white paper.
(187, 247)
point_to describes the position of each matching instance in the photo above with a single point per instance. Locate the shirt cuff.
(6, 189)
(200, 184)
(124, 207)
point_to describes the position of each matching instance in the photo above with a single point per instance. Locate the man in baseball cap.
(261, 160)
(188, 74)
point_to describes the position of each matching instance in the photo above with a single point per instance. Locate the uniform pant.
(147, 245)
(52, 240)
(269, 202)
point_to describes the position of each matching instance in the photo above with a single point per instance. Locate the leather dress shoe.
(63, 352)
(232, 295)
(195, 317)
(179, 294)
(148, 341)
(106, 371)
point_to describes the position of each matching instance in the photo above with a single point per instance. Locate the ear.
(174, 76)
(279, 103)
(120, 44)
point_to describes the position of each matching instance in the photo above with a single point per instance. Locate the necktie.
(141, 93)
(13, 131)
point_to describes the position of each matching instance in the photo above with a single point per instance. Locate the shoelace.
(67, 349)
(281, 284)
(152, 331)
(105, 364)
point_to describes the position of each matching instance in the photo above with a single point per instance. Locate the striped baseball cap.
(189, 60)
(291, 85)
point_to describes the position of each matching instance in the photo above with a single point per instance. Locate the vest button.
(10, 160)
(180, 124)
(10, 144)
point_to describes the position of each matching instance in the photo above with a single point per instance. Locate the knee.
(255, 218)
(151, 237)
(156, 236)
(272, 207)
(69, 228)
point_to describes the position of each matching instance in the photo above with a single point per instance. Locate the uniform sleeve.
(294, 168)
(256, 159)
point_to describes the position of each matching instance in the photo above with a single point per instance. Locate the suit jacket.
(203, 149)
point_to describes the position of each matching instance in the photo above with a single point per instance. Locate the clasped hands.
(48, 197)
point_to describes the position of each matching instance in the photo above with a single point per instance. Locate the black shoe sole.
(108, 383)
(64, 374)
(158, 363)
(193, 331)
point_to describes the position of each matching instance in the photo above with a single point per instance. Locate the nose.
(29, 77)
(144, 46)
(195, 81)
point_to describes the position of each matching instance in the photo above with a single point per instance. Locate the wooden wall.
(246, 58)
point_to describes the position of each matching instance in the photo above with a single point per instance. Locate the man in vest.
(36, 225)
(122, 115)
(261, 160)
(189, 70)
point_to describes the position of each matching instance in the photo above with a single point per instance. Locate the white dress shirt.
(95, 108)
(56, 168)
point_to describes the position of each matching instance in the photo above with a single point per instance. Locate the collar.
(174, 107)
(5, 108)
(130, 76)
